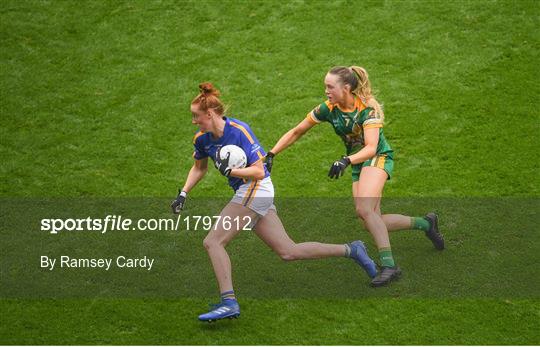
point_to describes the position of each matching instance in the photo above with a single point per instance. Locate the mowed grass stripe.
(271, 322)
(95, 96)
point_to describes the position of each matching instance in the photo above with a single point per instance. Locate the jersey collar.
(356, 107)
(225, 130)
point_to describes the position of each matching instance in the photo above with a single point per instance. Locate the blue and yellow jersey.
(235, 133)
(350, 124)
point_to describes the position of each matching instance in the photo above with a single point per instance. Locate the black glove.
(178, 204)
(339, 166)
(223, 164)
(269, 161)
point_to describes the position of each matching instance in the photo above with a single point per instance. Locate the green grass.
(488, 253)
(311, 322)
(95, 103)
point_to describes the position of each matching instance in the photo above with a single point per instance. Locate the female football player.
(357, 118)
(253, 199)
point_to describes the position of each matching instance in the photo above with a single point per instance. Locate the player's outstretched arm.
(196, 173)
(288, 139)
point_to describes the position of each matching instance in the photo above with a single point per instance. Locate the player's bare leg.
(270, 229)
(367, 195)
(215, 242)
(393, 222)
(218, 238)
(396, 222)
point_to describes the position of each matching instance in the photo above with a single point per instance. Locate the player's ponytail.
(209, 98)
(207, 88)
(363, 89)
(357, 78)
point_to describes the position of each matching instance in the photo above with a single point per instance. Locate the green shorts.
(382, 161)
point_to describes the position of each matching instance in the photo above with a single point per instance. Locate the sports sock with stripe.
(229, 295)
(347, 250)
(386, 257)
(420, 223)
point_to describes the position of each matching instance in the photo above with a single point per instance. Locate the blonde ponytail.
(363, 90)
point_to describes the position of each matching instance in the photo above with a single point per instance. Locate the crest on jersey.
(317, 110)
(373, 114)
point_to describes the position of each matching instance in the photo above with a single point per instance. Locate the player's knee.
(210, 242)
(207, 243)
(287, 254)
(363, 212)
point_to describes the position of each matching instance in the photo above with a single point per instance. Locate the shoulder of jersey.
(242, 128)
(238, 124)
(197, 135)
(329, 105)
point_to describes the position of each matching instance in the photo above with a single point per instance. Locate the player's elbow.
(297, 132)
(371, 150)
(259, 174)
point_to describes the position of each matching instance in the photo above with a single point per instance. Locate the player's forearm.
(194, 176)
(286, 140)
(364, 154)
(251, 172)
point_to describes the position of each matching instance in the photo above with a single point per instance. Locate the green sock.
(385, 255)
(420, 223)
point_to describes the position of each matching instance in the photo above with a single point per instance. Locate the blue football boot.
(360, 256)
(228, 308)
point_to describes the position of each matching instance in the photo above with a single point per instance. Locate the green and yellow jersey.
(350, 126)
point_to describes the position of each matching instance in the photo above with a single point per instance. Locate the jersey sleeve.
(199, 152)
(249, 143)
(319, 114)
(371, 119)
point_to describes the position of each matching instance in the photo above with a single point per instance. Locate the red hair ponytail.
(208, 98)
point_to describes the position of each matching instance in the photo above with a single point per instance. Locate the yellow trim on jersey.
(260, 155)
(238, 126)
(251, 186)
(258, 160)
(348, 110)
(312, 119)
(250, 200)
(369, 126)
(359, 104)
(329, 105)
(196, 136)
